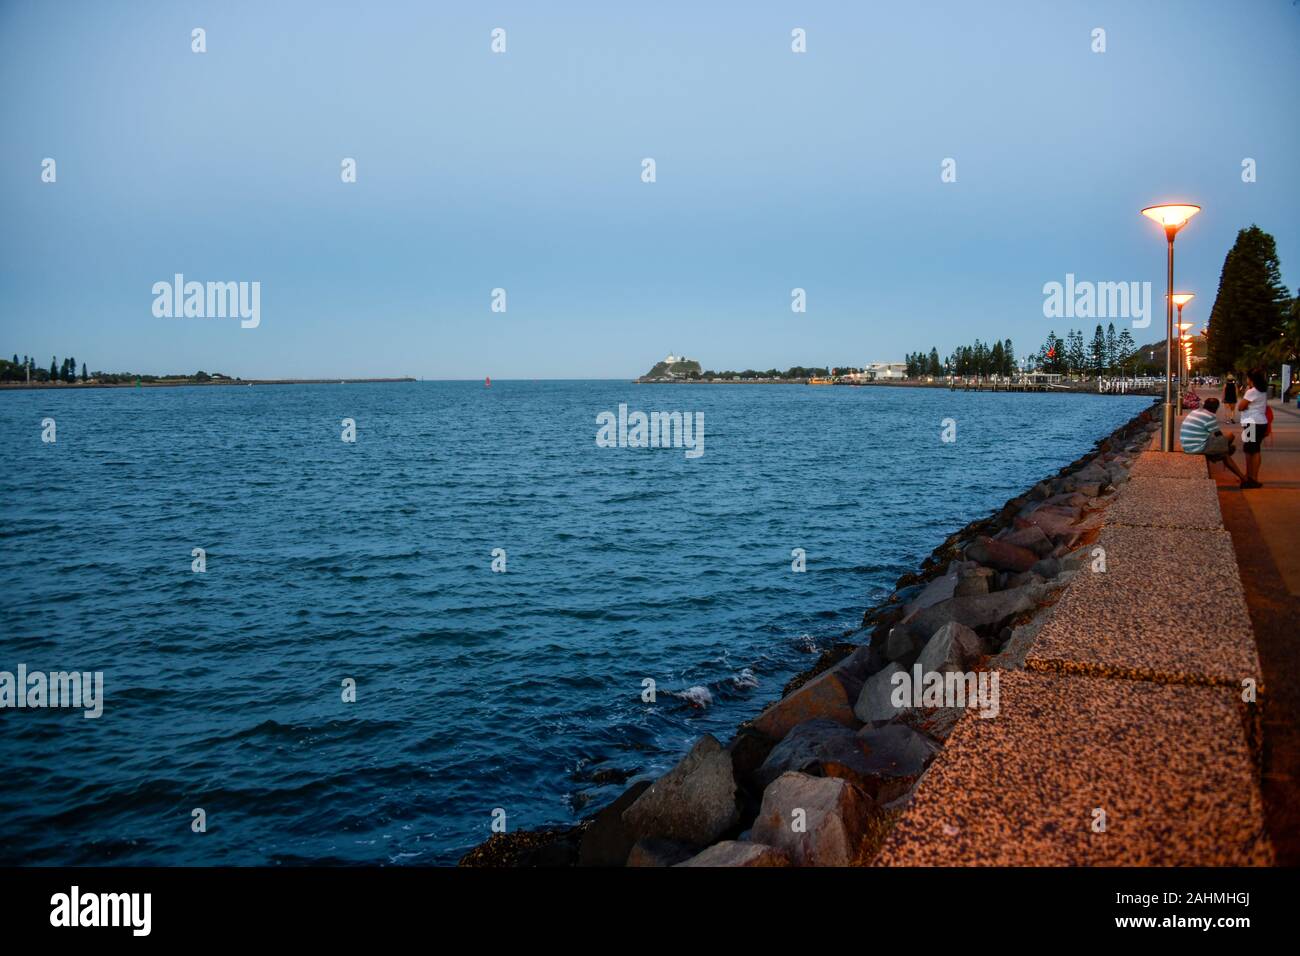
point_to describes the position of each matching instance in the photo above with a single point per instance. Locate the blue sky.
(775, 170)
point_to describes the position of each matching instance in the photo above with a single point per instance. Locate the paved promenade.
(1264, 524)
(1129, 738)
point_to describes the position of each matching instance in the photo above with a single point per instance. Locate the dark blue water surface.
(475, 690)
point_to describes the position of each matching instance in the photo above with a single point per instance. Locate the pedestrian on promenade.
(1230, 397)
(1254, 412)
(1201, 435)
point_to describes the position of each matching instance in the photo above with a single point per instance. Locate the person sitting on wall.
(1201, 434)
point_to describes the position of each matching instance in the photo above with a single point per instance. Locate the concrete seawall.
(1130, 735)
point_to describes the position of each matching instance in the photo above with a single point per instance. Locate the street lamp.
(1180, 300)
(1185, 350)
(1173, 217)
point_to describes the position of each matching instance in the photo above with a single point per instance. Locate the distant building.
(886, 371)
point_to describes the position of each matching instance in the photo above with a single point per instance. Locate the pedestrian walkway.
(1264, 525)
(1131, 737)
(1087, 771)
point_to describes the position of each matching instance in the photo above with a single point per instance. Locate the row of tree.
(797, 371)
(26, 369)
(1108, 353)
(22, 371)
(966, 360)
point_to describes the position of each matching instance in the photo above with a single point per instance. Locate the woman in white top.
(1254, 414)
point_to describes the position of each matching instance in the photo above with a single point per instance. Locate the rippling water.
(475, 690)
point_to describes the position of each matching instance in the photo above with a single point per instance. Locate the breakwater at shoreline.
(835, 741)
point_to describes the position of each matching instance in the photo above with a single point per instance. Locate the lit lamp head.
(1172, 216)
(1182, 298)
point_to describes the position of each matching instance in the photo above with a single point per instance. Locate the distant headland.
(24, 373)
(1068, 363)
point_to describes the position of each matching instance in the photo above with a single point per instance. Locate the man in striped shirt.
(1201, 434)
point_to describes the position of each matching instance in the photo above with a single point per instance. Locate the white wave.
(695, 696)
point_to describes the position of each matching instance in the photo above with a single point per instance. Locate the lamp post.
(1180, 300)
(1173, 217)
(1185, 348)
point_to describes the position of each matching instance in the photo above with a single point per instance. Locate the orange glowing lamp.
(1172, 216)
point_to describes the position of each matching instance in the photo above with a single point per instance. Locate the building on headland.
(673, 368)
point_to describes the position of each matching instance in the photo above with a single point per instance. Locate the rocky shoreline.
(835, 753)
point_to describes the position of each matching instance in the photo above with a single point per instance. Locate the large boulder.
(883, 762)
(902, 642)
(1070, 499)
(829, 695)
(821, 747)
(938, 589)
(818, 821)
(953, 647)
(974, 581)
(1031, 537)
(977, 610)
(1060, 528)
(739, 853)
(607, 841)
(748, 750)
(896, 755)
(1001, 554)
(694, 803)
(651, 851)
(1047, 567)
(875, 702)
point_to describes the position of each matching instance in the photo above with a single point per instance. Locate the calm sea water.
(372, 561)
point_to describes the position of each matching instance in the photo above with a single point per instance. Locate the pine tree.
(1097, 354)
(1076, 361)
(1112, 348)
(54, 367)
(84, 376)
(1008, 357)
(1126, 347)
(1251, 302)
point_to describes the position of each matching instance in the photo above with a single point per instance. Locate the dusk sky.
(522, 171)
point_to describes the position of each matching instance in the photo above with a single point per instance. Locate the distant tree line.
(27, 369)
(1108, 353)
(19, 370)
(979, 359)
(795, 371)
